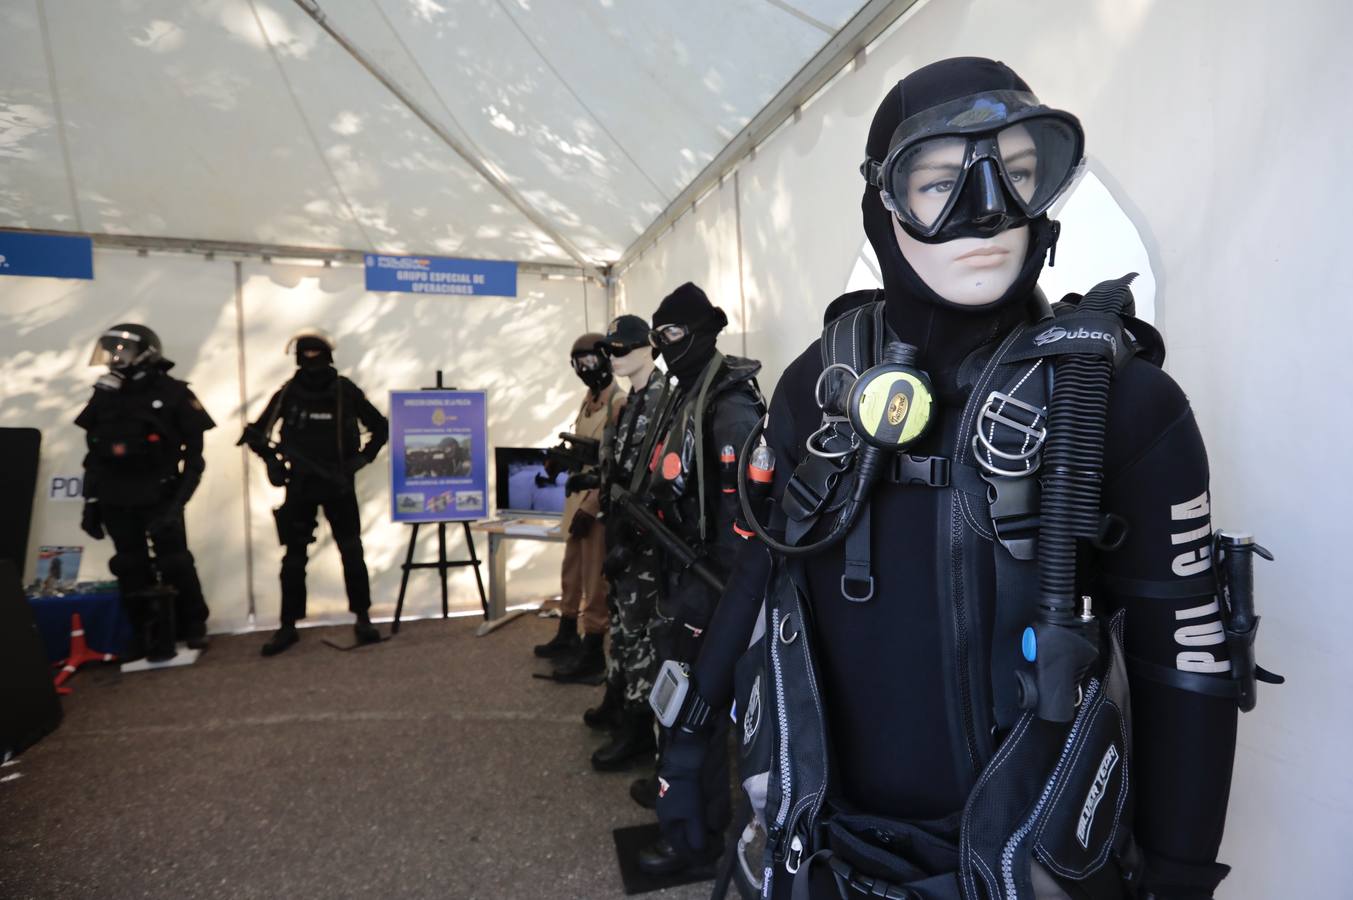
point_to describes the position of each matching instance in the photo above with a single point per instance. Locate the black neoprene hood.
(944, 332)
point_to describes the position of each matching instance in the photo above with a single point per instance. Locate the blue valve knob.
(1029, 644)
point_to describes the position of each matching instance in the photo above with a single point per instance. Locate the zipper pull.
(795, 855)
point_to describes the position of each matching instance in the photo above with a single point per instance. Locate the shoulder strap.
(706, 380)
(657, 423)
(855, 339)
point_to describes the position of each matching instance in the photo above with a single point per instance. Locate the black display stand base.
(628, 843)
(442, 565)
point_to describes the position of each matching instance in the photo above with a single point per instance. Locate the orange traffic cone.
(79, 655)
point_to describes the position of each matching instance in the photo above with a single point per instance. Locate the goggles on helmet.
(976, 166)
(586, 362)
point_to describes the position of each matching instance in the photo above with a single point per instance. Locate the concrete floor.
(429, 766)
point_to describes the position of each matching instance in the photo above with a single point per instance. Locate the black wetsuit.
(898, 751)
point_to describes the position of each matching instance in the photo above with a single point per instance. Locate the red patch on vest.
(119, 449)
(671, 467)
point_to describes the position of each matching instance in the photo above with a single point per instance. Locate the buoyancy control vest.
(1053, 794)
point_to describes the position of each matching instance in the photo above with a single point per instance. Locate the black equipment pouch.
(798, 784)
(1055, 793)
(288, 529)
(752, 707)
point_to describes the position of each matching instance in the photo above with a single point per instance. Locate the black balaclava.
(315, 372)
(944, 332)
(596, 379)
(688, 305)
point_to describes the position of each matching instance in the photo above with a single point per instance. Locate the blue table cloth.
(105, 624)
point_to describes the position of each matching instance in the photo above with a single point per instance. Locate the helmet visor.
(117, 350)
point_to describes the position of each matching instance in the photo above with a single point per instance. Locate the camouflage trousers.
(633, 664)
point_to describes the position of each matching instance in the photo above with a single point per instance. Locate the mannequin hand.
(91, 520)
(581, 481)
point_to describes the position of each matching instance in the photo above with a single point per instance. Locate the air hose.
(1064, 642)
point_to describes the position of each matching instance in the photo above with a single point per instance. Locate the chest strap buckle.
(926, 471)
(1014, 504)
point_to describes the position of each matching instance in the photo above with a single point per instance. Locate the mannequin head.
(627, 345)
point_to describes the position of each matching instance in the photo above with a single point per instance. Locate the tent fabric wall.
(1196, 116)
(516, 349)
(254, 125)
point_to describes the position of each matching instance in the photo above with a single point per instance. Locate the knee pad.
(128, 566)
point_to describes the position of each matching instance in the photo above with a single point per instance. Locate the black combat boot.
(281, 639)
(195, 635)
(644, 791)
(633, 741)
(565, 640)
(607, 714)
(662, 858)
(590, 660)
(366, 632)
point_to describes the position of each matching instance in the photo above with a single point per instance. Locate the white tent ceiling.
(245, 121)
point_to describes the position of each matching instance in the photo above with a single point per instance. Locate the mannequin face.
(967, 271)
(632, 363)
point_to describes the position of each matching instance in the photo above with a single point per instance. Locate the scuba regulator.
(887, 408)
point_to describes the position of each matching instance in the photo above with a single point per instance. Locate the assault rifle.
(574, 453)
(632, 509)
(274, 455)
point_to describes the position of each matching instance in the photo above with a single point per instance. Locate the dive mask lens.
(618, 350)
(925, 181)
(1038, 158)
(1036, 150)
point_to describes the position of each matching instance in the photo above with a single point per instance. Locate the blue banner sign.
(46, 255)
(439, 450)
(441, 275)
